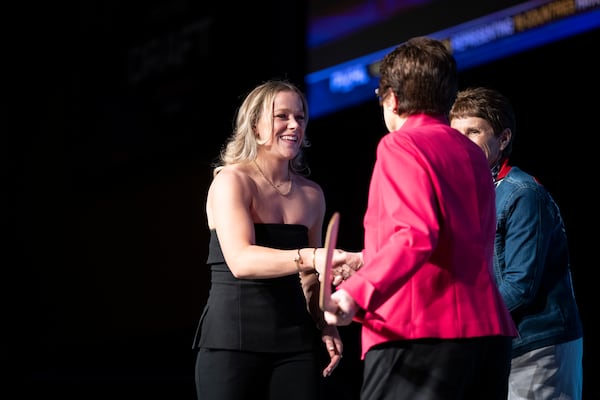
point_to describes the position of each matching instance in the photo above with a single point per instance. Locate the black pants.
(238, 375)
(435, 369)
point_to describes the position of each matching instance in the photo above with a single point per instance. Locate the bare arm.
(228, 209)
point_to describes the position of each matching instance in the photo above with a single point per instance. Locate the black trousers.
(437, 369)
(238, 375)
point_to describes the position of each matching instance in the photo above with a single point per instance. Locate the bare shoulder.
(232, 180)
(308, 186)
(230, 191)
(232, 174)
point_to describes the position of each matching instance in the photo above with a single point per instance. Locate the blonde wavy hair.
(242, 145)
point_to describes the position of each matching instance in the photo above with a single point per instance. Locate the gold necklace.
(276, 187)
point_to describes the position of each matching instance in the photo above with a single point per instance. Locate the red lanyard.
(503, 170)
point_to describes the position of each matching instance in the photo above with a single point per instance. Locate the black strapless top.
(266, 315)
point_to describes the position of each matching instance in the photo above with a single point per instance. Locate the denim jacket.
(531, 264)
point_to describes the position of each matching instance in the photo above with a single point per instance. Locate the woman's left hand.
(335, 347)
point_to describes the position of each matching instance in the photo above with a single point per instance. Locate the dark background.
(117, 111)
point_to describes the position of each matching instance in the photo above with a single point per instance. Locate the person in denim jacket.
(531, 257)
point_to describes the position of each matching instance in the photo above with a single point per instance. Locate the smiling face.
(282, 130)
(482, 134)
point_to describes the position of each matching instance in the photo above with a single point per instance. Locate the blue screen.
(347, 39)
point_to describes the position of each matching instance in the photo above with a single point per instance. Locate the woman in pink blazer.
(434, 325)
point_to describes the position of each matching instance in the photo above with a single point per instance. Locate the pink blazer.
(429, 240)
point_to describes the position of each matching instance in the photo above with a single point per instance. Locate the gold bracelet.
(298, 261)
(315, 261)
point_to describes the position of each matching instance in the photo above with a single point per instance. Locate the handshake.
(344, 265)
(338, 264)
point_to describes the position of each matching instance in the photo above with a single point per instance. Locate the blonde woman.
(259, 333)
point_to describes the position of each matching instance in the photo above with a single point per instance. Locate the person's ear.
(505, 137)
(392, 102)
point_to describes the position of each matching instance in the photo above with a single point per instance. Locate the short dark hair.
(422, 73)
(490, 105)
